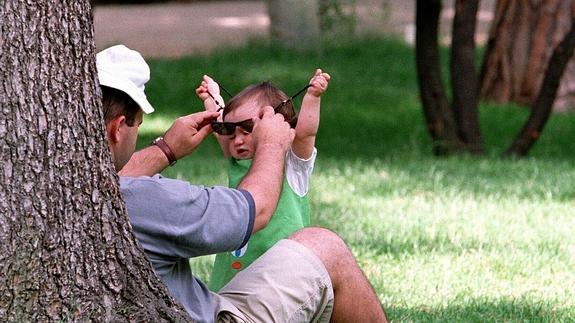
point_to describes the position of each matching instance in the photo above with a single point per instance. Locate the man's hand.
(187, 132)
(270, 130)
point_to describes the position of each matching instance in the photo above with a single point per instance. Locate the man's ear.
(113, 128)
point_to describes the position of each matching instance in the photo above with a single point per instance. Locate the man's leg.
(288, 283)
(355, 299)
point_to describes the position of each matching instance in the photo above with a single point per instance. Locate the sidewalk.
(177, 29)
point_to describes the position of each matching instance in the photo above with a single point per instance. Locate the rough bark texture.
(438, 114)
(66, 248)
(295, 24)
(519, 48)
(464, 75)
(543, 105)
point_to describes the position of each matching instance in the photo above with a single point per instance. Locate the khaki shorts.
(288, 283)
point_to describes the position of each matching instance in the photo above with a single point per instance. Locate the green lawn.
(441, 239)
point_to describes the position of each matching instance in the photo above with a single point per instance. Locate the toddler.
(233, 131)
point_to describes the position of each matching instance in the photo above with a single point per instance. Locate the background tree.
(295, 23)
(542, 107)
(67, 252)
(337, 18)
(455, 128)
(519, 48)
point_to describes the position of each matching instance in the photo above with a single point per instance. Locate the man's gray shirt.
(174, 220)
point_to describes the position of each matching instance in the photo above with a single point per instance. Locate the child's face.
(240, 144)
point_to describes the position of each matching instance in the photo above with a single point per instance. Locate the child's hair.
(264, 94)
(116, 103)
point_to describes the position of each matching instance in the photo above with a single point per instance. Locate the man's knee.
(326, 244)
(315, 235)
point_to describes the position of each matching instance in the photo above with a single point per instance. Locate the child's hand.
(209, 93)
(319, 83)
(202, 90)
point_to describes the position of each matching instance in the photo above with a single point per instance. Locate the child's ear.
(113, 128)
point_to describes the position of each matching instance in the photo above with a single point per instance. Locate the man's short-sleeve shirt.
(174, 221)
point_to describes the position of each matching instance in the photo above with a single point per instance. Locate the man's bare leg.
(354, 297)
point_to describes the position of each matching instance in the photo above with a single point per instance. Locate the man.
(311, 276)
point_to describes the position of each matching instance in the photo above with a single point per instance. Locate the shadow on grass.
(371, 112)
(484, 310)
(399, 247)
(371, 109)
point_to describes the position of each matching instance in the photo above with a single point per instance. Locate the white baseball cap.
(126, 70)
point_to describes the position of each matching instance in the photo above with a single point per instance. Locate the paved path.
(177, 29)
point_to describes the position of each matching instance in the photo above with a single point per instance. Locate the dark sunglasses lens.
(223, 128)
(247, 125)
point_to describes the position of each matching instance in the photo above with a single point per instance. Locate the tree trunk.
(67, 252)
(520, 45)
(438, 114)
(337, 18)
(464, 76)
(295, 24)
(543, 105)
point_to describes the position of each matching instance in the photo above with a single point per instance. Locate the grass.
(441, 239)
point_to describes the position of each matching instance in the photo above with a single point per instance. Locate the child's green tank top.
(292, 213)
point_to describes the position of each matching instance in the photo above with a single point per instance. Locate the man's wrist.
(161, 143)
(271, 150)
(273, 145)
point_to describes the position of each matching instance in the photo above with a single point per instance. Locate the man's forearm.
(146, 162)
(185, 134)
(264, 181)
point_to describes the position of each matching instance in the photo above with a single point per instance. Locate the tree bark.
(520, 45)
(438, 114)
(464, 76)
(337, 18)
(67, 252)
(543, 105)
(295, 24)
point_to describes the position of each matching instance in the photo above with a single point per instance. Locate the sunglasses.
(229, 128)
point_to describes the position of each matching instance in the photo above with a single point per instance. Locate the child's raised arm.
(209, 93)
(308, 118)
